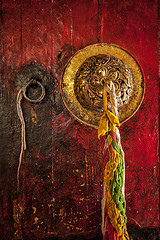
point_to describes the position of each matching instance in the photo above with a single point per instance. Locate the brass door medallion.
(84, 77)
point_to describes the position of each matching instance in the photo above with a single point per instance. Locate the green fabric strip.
(107, 133)
(117, 183)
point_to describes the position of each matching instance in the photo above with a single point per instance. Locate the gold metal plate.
(87, 71)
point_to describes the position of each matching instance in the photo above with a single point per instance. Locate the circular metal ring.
(79, 91)
(33, 81)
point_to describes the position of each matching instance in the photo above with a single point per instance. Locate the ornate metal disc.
(84, 77)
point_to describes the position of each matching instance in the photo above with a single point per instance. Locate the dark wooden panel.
(10, 63)
(60, 177)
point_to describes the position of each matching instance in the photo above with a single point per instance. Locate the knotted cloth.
(113, 202)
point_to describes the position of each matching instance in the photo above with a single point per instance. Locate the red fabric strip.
(103, 139)
(110, 233)
(113, 135)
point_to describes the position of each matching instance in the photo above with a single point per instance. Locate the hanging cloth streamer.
(20, 95)
(113, 202)
(23, 138)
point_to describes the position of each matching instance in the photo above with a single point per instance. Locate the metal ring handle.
(33, 81)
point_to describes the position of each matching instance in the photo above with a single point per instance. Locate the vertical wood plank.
(133, 26)
(10, 63)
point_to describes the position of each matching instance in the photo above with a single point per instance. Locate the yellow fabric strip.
(112, 118)
(106, 117)
(105, 101)
(109, 140)
(103, 126)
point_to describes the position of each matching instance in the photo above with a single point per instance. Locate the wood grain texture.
(60, 177)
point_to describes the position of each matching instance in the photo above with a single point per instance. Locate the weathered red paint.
(61, 166)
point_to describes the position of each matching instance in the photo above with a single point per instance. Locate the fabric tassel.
(113, 202)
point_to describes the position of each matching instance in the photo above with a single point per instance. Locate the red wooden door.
(60, 176)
